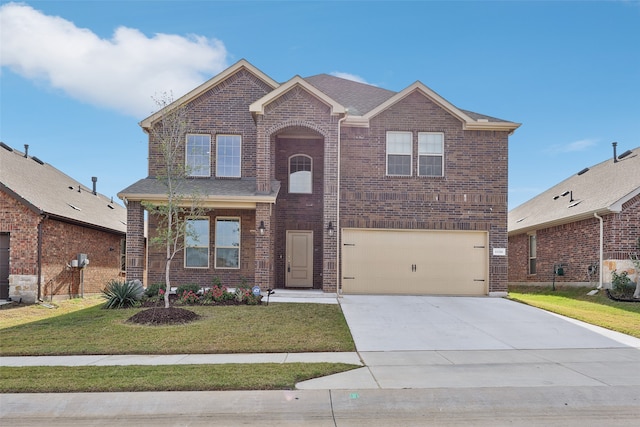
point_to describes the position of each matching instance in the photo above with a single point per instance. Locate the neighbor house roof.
(210, 192)
(46, 190)
(601, 189)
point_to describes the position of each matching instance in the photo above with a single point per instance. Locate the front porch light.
(261, 228)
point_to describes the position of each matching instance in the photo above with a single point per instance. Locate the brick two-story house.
(50, 224)
(585, 227)
(330, 184)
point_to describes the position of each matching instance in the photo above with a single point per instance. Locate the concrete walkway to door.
(436, 342)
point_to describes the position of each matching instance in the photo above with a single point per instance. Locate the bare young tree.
(167, 136)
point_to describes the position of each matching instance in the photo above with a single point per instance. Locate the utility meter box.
(82, 260)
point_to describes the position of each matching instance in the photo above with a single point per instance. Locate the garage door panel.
(414, 262)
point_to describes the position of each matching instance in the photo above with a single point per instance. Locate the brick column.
(330, 212)
(264, 273)
(135, 241)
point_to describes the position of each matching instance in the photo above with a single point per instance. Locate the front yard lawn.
(575, 303)
(276, 328)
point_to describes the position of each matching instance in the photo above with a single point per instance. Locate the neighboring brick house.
(588, 225)
(329, 184)
(47, 220)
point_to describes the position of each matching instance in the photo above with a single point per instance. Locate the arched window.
(300, 174)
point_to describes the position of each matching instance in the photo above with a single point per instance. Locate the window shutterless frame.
(228, 156)
(227, 243)
(430, 154)
(300, 174)
(197, 156)
(531, 268)
(399, 153)
(196, 243)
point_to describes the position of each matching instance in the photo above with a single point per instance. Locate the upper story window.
(300, 174)
(196, 243)
(430, 154)
(227, 243)
(198, 155)
(399, 153)
(228, 156)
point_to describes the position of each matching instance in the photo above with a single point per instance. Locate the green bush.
(623, 287)
(123, 294)
(154, 289)
(189, 287)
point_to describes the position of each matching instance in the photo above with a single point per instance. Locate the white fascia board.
(561, 221)
(258, 106)
(248, 202)
(617, 205)
(217, 79)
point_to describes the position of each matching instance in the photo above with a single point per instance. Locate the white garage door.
(414, 262)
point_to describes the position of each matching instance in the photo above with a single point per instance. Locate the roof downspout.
(43, 218)
(338, 230)
(601, 247)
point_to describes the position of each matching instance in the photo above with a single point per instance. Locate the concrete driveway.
(468, 342)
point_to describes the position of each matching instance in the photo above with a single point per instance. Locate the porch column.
(135, 241)
(264, 273)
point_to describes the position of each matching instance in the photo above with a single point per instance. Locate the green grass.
(575, 303)
(281, 327)
(59, 379)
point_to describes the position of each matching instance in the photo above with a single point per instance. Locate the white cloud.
(348, 76)
(121, 73)
(572, 147)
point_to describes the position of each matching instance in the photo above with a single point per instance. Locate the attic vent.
(70, 187)
(625, 154)
(74, 207)
(575, 204)
(585, 170)
(522, 219)
(123, 222)
(110, 207)
(483, 120)
(37, 160)
(5, 146)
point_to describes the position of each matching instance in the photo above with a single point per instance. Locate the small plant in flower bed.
(188, 298)
(189, 287)
(123, 294)
(217, 294)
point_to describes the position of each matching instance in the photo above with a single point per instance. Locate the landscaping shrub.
(123, 294)
(153, 290)
(189, 287)
(623, 287)
(188, 298)
(217, 294)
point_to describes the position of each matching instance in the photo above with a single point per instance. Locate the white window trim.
(289, 175)
(186, 163)
(431, 154)
(208, 246)
(529, 257)
(387, 153)
(218, 160)
(215, 245)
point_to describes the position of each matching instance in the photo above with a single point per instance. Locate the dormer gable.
(258, 107)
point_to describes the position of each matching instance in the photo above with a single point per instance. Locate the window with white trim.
(532, 253)
(227, 243)
(300, 174)
(399, 153)
(198, 155)
(196, 243)
(228, 156)
(430, 153)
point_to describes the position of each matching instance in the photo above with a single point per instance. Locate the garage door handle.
(478, 280)
(414, 267)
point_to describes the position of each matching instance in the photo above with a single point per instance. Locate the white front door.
(299, 267)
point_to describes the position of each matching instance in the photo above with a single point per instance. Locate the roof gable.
(601, 189)
(46, 190)
(470, 120)
(214, 81)
(258, 106)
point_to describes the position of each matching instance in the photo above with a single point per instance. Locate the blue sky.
(78, 76)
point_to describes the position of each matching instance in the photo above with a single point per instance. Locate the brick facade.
(60, 242)
(471, 195)
(578, 245)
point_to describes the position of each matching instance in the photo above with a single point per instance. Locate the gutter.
(595, 214)
(338, 229)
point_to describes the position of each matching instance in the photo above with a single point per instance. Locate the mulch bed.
(621, 299)
(163, 316)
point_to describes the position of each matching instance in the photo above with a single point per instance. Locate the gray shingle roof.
(358, 98)
(602, 189)
(47, 190)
